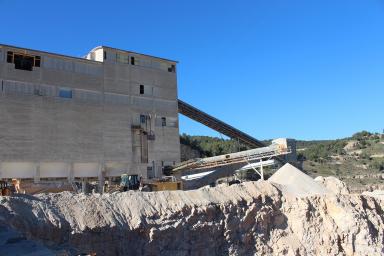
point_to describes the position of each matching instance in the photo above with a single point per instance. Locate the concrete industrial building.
(108, 113)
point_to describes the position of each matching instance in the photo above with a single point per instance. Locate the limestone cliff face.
(246, 219)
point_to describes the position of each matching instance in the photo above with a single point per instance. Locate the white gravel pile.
(294, 182)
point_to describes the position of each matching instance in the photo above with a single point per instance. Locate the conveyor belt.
(217, 125)
(247, 156)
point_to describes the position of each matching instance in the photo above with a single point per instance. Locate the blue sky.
(301, 69)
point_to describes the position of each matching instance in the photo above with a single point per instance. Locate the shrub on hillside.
(325, 150)
(363, 135)
(377, 164)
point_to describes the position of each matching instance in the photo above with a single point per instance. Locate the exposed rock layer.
(246, 219)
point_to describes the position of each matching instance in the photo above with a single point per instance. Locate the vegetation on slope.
(211, 146)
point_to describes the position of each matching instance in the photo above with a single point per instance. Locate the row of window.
(28, 62)
(73, 66)
(159, 121)
(16, 87)
(144, 119)
(135, 61)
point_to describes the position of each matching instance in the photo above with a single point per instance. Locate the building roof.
(81, 58)
(50, 53)
(121, 50)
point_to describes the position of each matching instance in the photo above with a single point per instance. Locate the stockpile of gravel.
(294, 182)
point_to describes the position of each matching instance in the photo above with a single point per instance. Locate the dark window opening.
(143, 119)
(141, 89)
(23, 62)
(37, 61)
(37, 92)
(105, 55)
(132, 60)
(65, 93)
(10, 57)
(163, 121)
(172, 68)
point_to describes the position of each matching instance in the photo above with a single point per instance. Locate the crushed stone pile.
(294, 182)
(252, 218)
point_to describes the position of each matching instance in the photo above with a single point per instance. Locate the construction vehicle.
(166, 183)
(129, 182)
(6, 188)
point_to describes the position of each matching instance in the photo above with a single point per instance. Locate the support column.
(84, 185)
(71, 172)
(101, 178)
(261, 169)
(36, 177)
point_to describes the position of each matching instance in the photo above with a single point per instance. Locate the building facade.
(108, 113)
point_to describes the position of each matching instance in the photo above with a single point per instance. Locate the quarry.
(90, 164)
(289, 214)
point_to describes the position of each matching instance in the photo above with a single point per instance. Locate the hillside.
(358, 160)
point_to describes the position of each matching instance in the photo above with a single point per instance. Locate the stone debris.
(333, 184)
(375, 193)
(251, 218)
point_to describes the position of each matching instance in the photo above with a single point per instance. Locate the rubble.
(333, 184)
(375, 193)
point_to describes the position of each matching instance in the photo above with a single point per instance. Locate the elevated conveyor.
(217, 125)
(249, 156)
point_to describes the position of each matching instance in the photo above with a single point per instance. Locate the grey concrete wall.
(92, 132)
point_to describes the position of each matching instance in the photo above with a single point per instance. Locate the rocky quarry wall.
(252, 218)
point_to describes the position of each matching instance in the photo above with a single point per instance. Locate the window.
(143, 119)
(10, 57)
(23, 61)
(163, 121)
(37, 92)
(132, 60)
(141, 89)
(172, 68)
(37, 61)
(65, 93)
(105, 55)
(122, 58)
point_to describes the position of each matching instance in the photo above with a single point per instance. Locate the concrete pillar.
(71, 172)
(101, 178)
(154, 169)
(84, 185)
(36, 178)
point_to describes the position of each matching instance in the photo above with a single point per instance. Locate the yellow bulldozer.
(165, 183)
